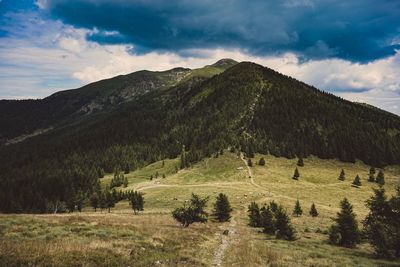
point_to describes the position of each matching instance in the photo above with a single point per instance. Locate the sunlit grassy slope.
(152, 238)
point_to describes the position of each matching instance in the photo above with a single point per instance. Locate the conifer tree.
(300, 162)
(250, 150)
(109, 200)
(249, 163)
(261, 162)
(254, 215)
(346, 225)
(163, 176)
(382, 224)
(127, 168)
(334, 235)
(296, 174)
(371, 177)
(268, 222)
(284, 229)
(222, 208)
(357, 181)
(194, 212)
(100, 172)
(273, 206)
(163, 164)
(102, 201)
(380, 178)
(297, 211)
(94, 201)
(125, 184)
(137, 201)
(342, 176)
(79, 198)
(313, 210)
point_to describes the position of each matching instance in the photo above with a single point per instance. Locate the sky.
(348, 48)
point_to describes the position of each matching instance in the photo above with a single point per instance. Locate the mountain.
(196, 112)
(20, 119)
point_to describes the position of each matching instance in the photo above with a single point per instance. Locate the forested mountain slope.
(247, 106)
(22, 117)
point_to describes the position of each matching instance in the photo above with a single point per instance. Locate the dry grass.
(152, 238)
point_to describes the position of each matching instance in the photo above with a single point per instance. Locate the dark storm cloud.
(357, 30)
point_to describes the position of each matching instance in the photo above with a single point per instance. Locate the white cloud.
(62, 58)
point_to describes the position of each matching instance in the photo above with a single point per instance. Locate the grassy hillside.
(153, 238)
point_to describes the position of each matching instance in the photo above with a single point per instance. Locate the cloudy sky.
(349, 48)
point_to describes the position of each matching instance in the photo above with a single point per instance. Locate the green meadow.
(153, 238)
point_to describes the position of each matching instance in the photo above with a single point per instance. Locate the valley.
(153, 238)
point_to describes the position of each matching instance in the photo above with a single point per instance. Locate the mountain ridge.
(247, 107)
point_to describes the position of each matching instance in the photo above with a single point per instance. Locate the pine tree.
(313, 210)
(100, 172)
(163, 176)
(249, 163)
(300, 162)
(284, 229)
(94, 201)
(334, 235)
(261, 162)
(297, 211)
(382, 225)
(254, 215)
(127, 168)
(109, 200)
(163, 164)
(102, 201)
(79, 199)
(342, 176)
(380, 178)
(222, 208)
(371, 177)
(268, 222)
(296, 174)
(357, 181)
(137, 201)
(347, 225)
(250, 150)
(273, 206)
(125, 182)
(194, 212)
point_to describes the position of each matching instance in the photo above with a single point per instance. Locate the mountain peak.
(224, 62)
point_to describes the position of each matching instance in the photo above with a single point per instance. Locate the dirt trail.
(252, 181)
(270, 194)
(217, 185)
(225, 242)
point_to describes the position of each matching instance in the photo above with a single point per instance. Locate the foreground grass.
(152, 238)
(102, 239)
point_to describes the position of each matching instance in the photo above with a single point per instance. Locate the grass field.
(152, 238)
